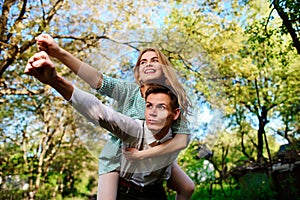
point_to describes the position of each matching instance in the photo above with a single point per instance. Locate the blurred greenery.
(238, 59)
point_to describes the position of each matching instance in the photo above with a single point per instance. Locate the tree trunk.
(287, 23)
(260, 142)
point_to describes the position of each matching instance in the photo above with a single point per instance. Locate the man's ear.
(176, 113)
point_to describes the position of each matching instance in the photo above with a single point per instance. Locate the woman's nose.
(148, 64)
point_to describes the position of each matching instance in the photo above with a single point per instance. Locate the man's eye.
(161, 107)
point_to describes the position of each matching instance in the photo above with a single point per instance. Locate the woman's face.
(150, 68)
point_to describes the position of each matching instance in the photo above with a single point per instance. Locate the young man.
(139, 179)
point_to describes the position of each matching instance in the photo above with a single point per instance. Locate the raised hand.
(46, 43)
(41, 67)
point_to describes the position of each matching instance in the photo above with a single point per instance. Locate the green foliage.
(189, 161)
(288, 10)
(232, 56)
(256, 186)
(217, 193)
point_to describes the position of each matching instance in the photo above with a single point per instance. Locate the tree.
(270, 84)
(289, 12)
(243, 66)
(49, 149)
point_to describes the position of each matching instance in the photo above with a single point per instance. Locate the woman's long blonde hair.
(171, 80)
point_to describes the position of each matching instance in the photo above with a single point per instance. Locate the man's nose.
(153, 112)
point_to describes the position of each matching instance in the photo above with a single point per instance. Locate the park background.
(239, 61)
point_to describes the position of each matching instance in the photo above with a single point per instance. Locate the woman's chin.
(153, 79)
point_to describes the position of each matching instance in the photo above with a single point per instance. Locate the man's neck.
(161, 134)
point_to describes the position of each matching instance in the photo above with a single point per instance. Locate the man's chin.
(154, 130)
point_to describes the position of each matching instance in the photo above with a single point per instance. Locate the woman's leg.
(181, 183)
(108, 186)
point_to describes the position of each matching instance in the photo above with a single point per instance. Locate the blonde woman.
(152, 66)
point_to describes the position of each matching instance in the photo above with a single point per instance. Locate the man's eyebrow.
(162, 104)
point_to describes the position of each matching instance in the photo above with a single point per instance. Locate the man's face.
(150, 68)
(158, 112)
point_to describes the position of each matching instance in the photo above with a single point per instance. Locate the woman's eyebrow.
(150, 58)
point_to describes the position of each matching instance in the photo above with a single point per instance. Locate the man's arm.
(41, 67)
(124, 127)
(89, 74)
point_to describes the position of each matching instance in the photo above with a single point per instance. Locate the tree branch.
(287, 23)
(13, 91)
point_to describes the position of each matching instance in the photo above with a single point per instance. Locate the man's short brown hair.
(157, 88)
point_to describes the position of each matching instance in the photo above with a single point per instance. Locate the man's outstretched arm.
(41, 67)
(124, 127)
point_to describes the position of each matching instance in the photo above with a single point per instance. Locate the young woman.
(151, 66)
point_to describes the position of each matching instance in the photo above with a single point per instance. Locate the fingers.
(127, 155)
(40, 63)
(29, 69)
(36, 61)
(125, 151)
(43, 38)
(43, 41)
(129, 150)
(39, 56)
(42, 47)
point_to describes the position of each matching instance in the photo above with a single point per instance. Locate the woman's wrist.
(61, 53)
